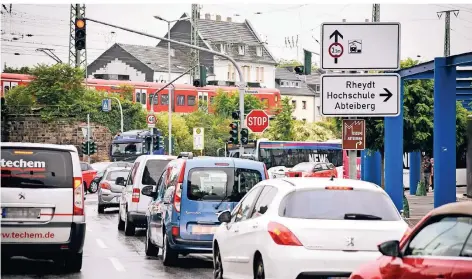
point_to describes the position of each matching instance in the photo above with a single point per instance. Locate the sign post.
(257, 121)
(198, 139)
(359, 47)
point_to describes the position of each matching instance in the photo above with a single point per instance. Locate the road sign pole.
(241, 116)
(352, 161)
(88, 137)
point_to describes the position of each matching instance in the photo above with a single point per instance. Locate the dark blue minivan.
(182, 215)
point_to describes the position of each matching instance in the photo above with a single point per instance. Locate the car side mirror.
(224, 217)
(120, 181)
(147, 191)
(390, 248)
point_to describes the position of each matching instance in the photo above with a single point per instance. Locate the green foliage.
(126, 91)
(225, 104)
(406, 207)
(22, 70)
(283, 63)
(421, 189)
(282, 127)
(20, 98)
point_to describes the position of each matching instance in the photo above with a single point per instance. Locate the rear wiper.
(360, 216)
(222, 200)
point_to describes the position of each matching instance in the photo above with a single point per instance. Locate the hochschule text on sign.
(348, 104)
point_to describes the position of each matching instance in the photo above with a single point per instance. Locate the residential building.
(304, 97)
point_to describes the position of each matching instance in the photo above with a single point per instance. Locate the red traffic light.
(233, 126)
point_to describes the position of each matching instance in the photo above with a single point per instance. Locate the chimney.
(228, 19)
(207, 16)
(218, 18)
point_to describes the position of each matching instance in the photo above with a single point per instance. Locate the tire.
(121, 223)
(259, 272)
(169, 256)
(150, 249)
(93, 187)
(217, 265)
(101, 209)
(73, 262)
(130, 228)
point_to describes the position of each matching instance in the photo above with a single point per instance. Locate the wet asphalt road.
(108, 253)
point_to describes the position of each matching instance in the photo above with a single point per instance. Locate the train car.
(184, 98)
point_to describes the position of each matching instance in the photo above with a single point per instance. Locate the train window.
(155, 98)
(138, 97)
(191, 100)
(143, 98)
(164, 99)
(180, 100)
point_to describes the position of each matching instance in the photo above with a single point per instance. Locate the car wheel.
(130, 228)
(101, 209)
(93, 187)
(169, 256)
(73, 262)
(121, 223)
(259, 272)
(150, 249)
(217, 265)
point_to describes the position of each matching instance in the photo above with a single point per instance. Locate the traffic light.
(160, 142)
(234, 133)
(85, 148)
(155, 142)
(235, 115)
(306, 68)
(80, 33)
(299, 70)
(202, 81)
(93, 147)
(244, 136)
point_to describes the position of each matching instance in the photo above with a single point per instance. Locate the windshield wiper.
(360, 216)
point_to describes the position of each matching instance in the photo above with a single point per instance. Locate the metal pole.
(121, 111)
(170, 92)
(88, 137)
(242, 84)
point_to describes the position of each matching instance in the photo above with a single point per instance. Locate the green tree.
(183, 140)
(283, 63)
(282, 127)
(22, 70)
(126, 91)
(20, 98)
(226, 103)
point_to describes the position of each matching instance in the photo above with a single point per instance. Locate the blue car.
(182, 215)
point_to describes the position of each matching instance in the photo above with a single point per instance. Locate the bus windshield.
(289, 154)
(132, 148)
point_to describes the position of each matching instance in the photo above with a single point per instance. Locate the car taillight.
(78, 198)
(135, 196)
(105, 185)
(178, 190)
(175, 231)
(282, 235)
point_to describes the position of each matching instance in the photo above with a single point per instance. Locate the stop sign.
(257, 121)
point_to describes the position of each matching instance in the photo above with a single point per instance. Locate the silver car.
(109, 192)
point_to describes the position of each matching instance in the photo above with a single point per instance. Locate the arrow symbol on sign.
(388, 95)
(358, 143)
(336, 34)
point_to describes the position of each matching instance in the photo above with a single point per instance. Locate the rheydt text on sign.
(353, 134)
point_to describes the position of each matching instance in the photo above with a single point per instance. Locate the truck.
(131, 144)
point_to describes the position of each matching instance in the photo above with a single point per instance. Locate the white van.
(42, 203)
(133, 206)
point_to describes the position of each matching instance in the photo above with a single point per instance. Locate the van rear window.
(36, 168)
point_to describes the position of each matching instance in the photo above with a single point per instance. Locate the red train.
(185, 97)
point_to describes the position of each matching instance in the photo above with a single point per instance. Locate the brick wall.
(60, 131)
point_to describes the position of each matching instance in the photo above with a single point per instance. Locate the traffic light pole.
(242, 84)
(88, 138)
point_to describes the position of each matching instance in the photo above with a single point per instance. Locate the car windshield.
(134, 148)
(113, 175)
(153, 170)
(338, 205)
(221, 183)
(304, 167)
(36, 168)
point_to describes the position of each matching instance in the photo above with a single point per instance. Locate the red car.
(312, 169)
(88, 173)
(439, 246)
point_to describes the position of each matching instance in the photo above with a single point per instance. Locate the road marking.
(101, 244)
(116, 264)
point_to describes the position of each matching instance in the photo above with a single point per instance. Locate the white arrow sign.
(375, 95)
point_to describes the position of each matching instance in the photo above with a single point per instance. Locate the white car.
(291, 227)
(42, 203)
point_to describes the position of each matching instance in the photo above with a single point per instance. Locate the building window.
(317, 88)
(164, 99)
(241, 49)
(297, 84)
(181, 100)
(223, 48)
(191, 100)
(304, 104)
(259, 51)
(294, 104)
(261, 75)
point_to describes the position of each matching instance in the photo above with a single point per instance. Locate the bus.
(131, 144)
(287, 154)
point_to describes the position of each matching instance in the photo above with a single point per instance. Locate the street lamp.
(169, 74)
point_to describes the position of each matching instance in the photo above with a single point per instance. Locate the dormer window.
(241, 49)
(223, 48)
(259, 51)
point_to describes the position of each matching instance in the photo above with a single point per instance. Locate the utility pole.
(77, 58)
(447, 30)
(194, 54)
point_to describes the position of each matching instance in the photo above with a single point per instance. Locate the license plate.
(203, 230)
(21, 213)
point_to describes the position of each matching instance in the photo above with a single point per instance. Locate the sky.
(30, 27)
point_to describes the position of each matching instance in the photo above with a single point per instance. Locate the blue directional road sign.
(106, 105)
